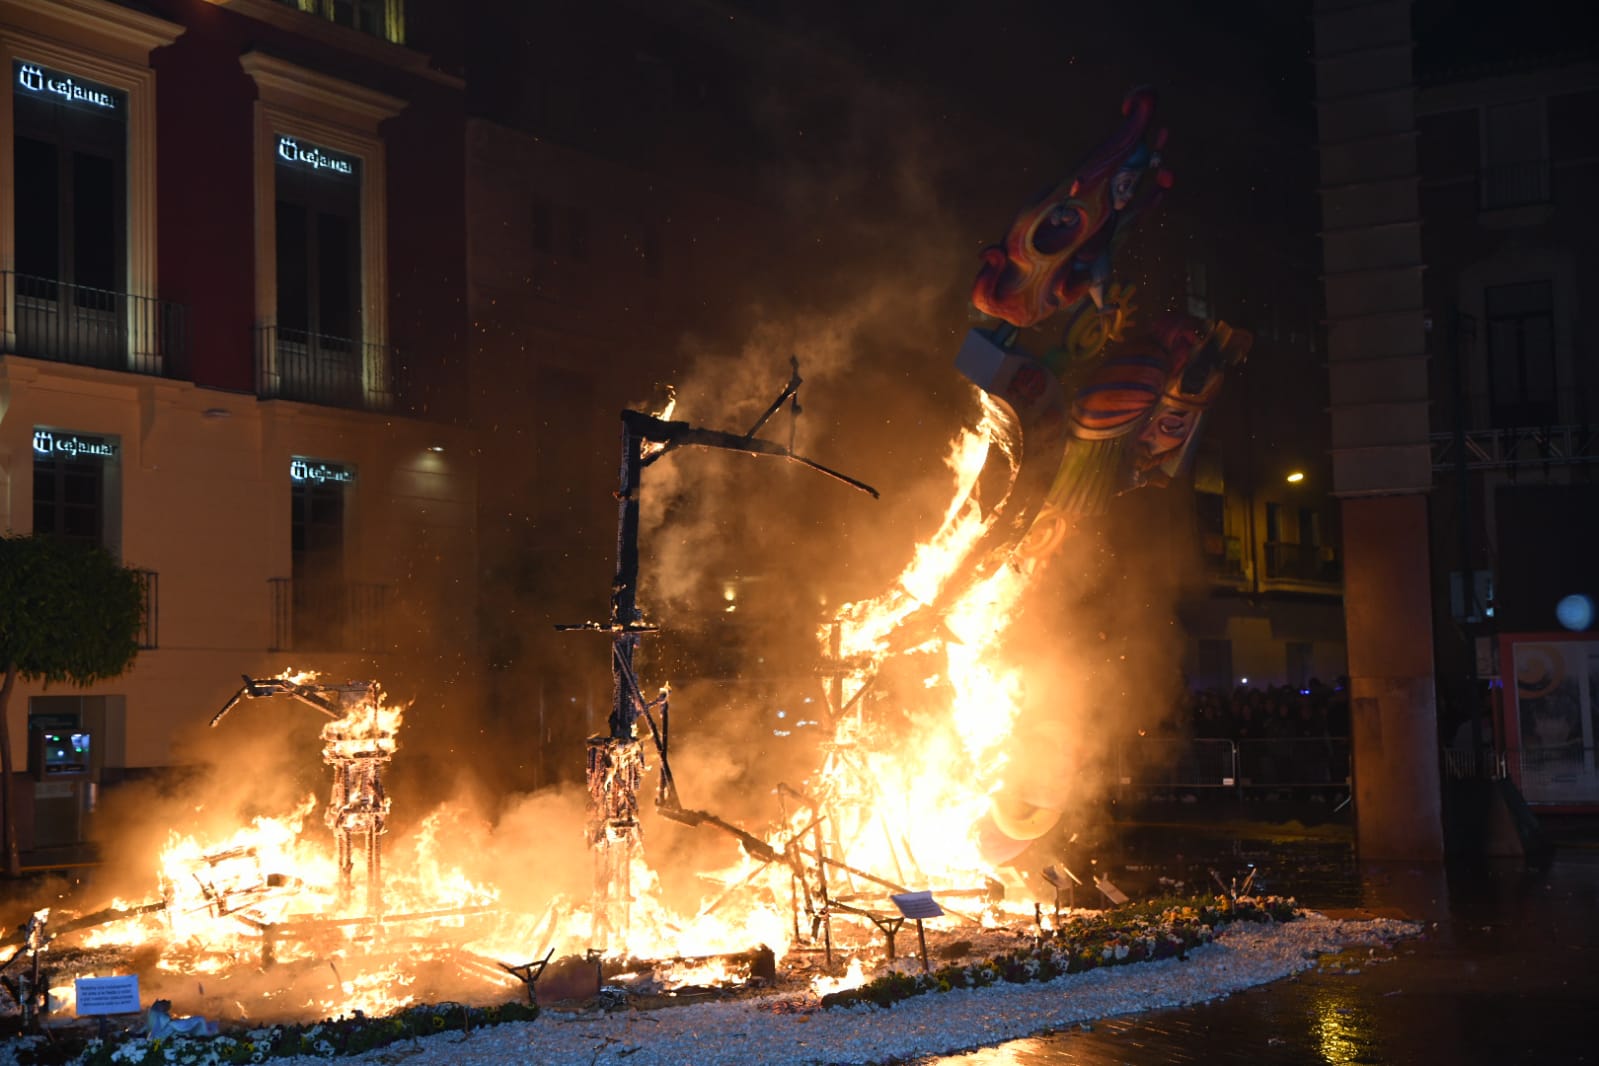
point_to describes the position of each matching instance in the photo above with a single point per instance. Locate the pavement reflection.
(1503, 975)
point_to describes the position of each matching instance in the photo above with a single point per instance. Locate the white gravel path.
(785, 1030)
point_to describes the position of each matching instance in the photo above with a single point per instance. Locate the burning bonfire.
(921, 805)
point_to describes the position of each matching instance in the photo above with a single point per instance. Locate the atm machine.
(64, 786)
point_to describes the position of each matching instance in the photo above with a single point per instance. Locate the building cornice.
(73, 19)
(287, 85)
(306, 24)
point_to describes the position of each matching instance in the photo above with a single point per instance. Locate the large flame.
(910, 799)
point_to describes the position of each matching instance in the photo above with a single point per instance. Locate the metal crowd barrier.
(1204, 763)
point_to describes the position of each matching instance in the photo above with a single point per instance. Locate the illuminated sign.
(303, 469)
(73, 445)
(290, 150)
(42, 81)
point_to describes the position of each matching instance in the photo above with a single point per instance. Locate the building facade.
(233, 286)
(1505, 163)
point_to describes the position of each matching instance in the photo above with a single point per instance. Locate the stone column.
(1382, 465)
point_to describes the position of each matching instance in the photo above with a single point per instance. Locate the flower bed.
(1141, 932)
(332, 1038)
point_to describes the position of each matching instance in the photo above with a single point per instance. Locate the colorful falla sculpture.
(1111, 408)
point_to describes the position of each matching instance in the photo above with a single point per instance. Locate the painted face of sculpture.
(1168, 429)
(1058, 245)
(1123, 187)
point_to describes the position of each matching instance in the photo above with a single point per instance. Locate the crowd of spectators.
(1277, 712)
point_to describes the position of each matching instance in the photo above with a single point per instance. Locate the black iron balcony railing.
(1224, 556)
(1303, 562)
(315, 368)
(44, 318)
(1522, 184)
(149, 621)
(328, 615)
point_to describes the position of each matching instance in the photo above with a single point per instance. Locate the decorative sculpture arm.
(261, 688)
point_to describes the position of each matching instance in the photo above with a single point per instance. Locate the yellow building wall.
(204, 501)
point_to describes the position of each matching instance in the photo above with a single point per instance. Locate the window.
(1521, 353)
(1310, 527)
(69, 211)
(1222, 553)
(318, 221)
(1274, 523)
(71, 486)
(67, 499)
(317, 549)
(1515, 158)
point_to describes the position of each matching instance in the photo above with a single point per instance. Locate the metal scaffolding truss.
(1520, 447)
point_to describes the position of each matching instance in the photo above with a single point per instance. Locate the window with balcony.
(78, 189)
(1303, 553)
(70, 217)
(317, 221)
(321, 229)
(1521, 353)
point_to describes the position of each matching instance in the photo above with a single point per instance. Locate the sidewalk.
(1503, 975)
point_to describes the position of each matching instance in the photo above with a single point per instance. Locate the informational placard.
(917, 905)
(107, 995)
(1110, 891)
(1060, 875)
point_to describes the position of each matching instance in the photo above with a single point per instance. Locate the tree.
(68, 613)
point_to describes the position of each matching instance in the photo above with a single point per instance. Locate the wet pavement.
(1507, 972)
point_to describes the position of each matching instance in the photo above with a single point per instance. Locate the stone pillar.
(1382, 462)
(1393, 721)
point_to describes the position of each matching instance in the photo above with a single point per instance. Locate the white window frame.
(110, 44)
(298, 102)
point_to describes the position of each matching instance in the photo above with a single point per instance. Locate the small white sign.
(291, 150)
(303, 469)
(108, 995)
